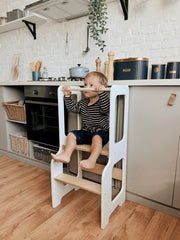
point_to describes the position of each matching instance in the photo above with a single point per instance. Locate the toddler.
(94, 110)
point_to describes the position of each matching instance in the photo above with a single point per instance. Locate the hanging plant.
(97, 21)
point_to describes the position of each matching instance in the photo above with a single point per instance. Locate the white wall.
(152, 31)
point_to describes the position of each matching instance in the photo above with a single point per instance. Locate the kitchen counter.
(159, 82)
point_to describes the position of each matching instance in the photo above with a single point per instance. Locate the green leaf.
(97, 21)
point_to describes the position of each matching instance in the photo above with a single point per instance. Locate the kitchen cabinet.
(153, 144)
(176, 199)
(13, 137)
(10, 126)
(12, 129)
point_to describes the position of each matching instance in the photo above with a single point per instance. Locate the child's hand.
(67, 92)
(99, 88)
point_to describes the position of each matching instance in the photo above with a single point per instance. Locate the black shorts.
(85, 137)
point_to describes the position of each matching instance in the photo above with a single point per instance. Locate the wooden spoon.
(38, 65)
(32, 66)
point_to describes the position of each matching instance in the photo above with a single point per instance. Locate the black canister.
(130, 68)
(173, 70)
(158, 71)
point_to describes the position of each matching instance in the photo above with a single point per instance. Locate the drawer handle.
(172, 99)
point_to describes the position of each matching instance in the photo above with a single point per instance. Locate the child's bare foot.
(89, 164)
(61, 157)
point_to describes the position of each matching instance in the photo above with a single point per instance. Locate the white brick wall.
(153, 31)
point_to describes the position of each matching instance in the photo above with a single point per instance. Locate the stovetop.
(61, 79)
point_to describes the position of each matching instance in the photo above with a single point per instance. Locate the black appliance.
(42, 114)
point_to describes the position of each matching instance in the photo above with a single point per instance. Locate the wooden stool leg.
(56, 168)
(106, 193)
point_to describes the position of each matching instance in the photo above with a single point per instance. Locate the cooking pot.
(78, 72)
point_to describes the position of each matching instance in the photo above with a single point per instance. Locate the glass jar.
(45, 73)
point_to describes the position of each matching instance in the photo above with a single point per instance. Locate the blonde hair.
(101, 77)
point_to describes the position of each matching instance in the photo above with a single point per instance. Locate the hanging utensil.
(67, 44)
(87, 48)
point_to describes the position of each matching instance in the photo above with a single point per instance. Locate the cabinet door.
(176, 199)
(153, 135)
(3, 134)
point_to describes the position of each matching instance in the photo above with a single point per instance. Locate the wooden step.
(87, 148)
(80, 183)
(98, 169)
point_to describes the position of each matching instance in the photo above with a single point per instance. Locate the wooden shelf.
(98, 169)
(87, 148)
(15, 121)
(18, 23)
(80, 183)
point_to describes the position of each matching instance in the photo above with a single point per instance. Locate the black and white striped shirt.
(94, 117)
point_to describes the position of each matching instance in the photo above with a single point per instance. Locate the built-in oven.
(42, 114)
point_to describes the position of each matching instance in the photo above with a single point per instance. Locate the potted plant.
(97, 21)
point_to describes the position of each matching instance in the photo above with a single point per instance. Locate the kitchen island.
(153, 166)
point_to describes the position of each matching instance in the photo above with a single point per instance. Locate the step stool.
(62, 183)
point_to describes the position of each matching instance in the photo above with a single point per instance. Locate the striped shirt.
(94, 117)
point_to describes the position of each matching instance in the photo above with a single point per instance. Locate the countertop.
(158, 82)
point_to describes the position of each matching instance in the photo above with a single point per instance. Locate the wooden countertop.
(143, 83)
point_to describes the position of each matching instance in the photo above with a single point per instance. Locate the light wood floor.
(26, 212)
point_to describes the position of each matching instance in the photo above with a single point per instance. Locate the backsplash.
(152, 31)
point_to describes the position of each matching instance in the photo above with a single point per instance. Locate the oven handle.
(43, 103)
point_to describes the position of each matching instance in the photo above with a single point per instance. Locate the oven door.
(42, 122)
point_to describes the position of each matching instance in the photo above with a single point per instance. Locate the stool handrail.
(87, 89)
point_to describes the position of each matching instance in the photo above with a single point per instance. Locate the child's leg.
(69, 148)
(96, 149)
